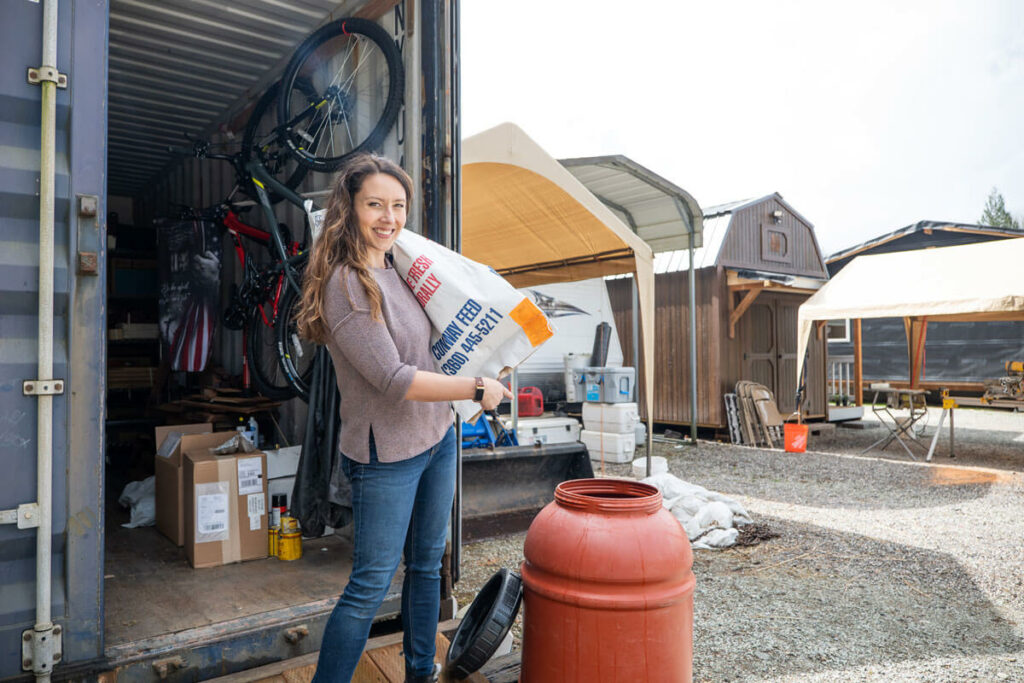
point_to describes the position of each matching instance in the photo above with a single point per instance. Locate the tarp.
(531, 220)
(972, 282)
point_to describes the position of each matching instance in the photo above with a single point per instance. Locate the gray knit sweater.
(375, 363)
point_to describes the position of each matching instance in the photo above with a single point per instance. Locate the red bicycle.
(263, 306)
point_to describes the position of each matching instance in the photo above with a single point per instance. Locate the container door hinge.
(42, 387)
(41, 650)
(38, 75)
(26, 516)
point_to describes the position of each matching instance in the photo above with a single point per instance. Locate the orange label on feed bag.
(533, 322)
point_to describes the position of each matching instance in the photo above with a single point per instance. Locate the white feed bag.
(482, 325)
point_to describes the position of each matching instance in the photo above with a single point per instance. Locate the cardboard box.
(170, 515)
(225, 506)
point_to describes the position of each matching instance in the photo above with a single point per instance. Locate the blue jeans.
(398, 507)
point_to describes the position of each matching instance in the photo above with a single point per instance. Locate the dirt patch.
(754, 534)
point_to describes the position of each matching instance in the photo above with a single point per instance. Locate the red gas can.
(531, 402)
(607, 588)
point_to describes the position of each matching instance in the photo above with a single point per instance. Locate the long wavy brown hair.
(342, 243)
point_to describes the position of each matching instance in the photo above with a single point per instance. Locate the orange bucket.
(795, 436)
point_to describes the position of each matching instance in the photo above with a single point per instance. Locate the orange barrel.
(795, 436)
(607, 588)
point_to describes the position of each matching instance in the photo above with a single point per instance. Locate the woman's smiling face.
(380, 207)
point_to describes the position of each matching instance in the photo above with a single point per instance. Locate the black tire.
(262, 141)
(330, 115)
(264, 363)
(294, 354)
(486, 623)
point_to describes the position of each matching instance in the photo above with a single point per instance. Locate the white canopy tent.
(527, 217)
(973, 282)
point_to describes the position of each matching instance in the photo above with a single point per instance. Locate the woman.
(397, 432)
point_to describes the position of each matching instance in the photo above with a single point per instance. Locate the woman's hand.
(494, 392)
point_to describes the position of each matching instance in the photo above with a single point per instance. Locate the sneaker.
(425, 678)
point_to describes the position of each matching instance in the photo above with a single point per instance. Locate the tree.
(995, 213)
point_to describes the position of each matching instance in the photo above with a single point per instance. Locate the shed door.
(768, 332)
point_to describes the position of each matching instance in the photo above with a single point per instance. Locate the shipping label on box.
(225, 507)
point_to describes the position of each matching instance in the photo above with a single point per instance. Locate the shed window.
(838, 330)
(775, 243)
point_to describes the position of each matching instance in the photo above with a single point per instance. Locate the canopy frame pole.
(693, 339)
(858, 364)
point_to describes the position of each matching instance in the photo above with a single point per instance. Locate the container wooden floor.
(150, 589)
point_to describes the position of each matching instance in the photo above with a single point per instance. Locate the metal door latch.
(42, 387)
(41, 650)
(26, 516)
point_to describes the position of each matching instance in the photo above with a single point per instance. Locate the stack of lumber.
(214, 404)
(130, 377)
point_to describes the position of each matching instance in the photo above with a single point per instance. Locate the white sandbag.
(717, 538)
(739, 513)
(482, 325)
(714, 514)
(141, 497)
(708, 518)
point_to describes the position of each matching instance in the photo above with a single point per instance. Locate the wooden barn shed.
(760, 260)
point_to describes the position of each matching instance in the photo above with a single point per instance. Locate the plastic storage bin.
(547, 430)
(608, 385)
(610, 417)
(574, 364)
(609, 446)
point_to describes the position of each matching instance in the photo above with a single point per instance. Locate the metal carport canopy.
(660, 212)
(527, 217)
(666, 216)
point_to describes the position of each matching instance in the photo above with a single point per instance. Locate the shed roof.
(660, 212)
(180, 66)
(920, 227)
(716, 226)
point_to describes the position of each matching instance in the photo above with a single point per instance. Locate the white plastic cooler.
(617, 418)
(608, 446)
(546, 430)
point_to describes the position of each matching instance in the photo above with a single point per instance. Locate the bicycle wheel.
(356, 69)
(261, 140)
(261, 351)
(294, 354)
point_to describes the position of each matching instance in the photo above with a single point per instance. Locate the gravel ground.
(884, 569)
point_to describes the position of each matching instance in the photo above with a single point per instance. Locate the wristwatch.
(479, 395)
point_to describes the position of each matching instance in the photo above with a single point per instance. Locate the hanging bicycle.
(356, 71)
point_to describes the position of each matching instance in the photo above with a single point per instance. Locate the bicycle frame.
(237, 229)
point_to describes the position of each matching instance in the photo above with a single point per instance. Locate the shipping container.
(133, 79)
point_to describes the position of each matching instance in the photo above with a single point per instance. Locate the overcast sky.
(865, 116)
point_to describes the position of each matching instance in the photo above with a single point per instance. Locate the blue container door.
(79, 322)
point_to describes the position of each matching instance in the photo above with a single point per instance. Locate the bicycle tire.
(294, 354)
(340, 102)
(271, 154)
(264, 366)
